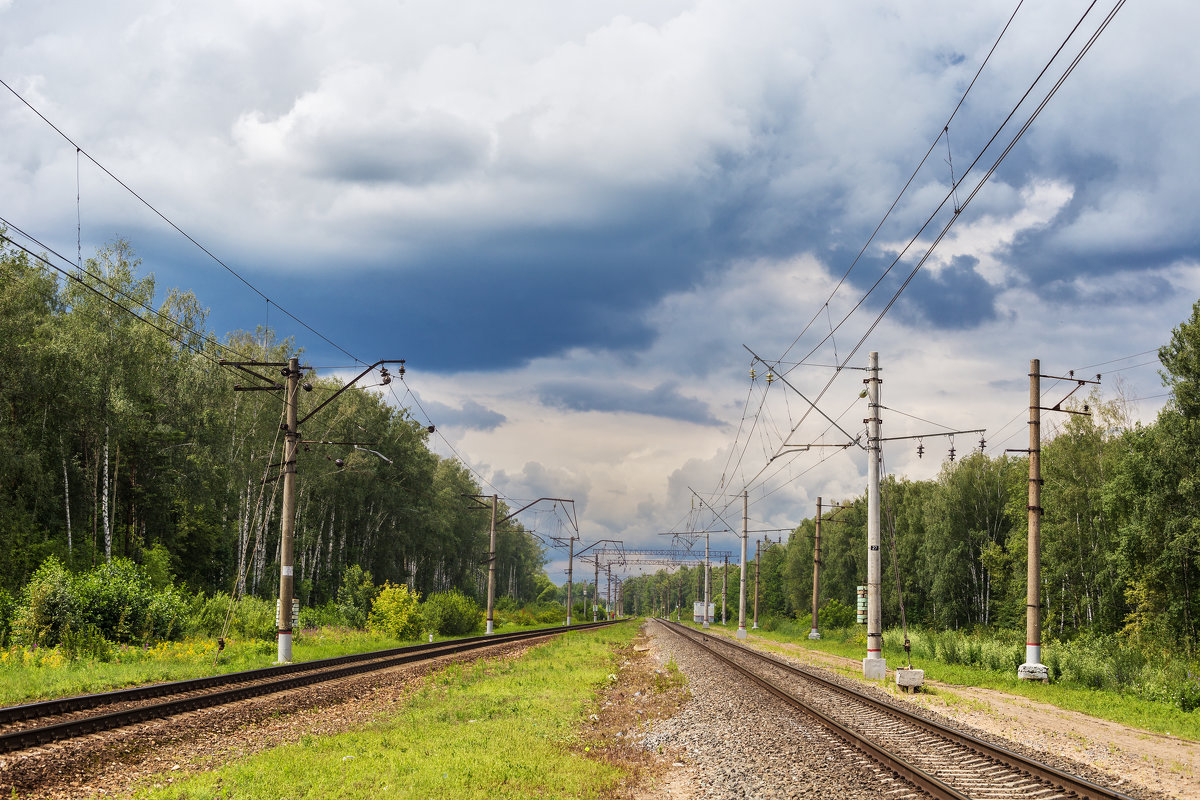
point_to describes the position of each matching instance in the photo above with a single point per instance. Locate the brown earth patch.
(641, 691)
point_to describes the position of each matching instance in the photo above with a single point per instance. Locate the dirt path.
(1154, 760)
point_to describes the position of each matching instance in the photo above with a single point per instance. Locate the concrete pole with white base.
(570, 576)
(757, 559)
(491, 592)
(874, 665)
(814, 634)
(1033, 669)
(287, 534)
(706, 582)
(724, 587)
(741, 631)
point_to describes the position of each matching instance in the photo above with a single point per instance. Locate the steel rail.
(268, 680)
(915, 775)
(1069, 783)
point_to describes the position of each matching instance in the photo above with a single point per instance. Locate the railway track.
(33, 724)
(940, 761)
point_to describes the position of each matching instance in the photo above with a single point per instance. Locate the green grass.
(492, 729)
(28, 674)
(1125, 707)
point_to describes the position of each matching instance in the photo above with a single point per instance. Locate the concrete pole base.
(489, 628)
(813, 634)
(741, 634)
(910, 680)
(285, 648)
(875, 669)
(1034, 672)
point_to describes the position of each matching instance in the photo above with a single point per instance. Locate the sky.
(577, 220)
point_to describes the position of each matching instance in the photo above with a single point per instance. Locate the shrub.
(354, 596)
(326, 616)
(835, 614)
(8, 607)
(514, 616)
(396, 612)
(119, 599)
(157, 563)
(1189, 693)
(87, 644)
(452, 613)
(49, 605)
(252, 617)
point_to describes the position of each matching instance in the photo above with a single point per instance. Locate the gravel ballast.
(741, 741)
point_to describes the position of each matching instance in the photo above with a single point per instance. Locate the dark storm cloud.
(430, 149)
(953, 298)
(471, 416)
(663, 400)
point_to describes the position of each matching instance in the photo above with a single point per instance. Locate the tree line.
(1120, 532)
(124, 438)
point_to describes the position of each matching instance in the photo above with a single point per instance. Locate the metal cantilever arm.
(357, 378)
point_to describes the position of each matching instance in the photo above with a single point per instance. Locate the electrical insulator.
(951, 452)
(982, 444)
(753, 374)
(920, 449)
(770, 377)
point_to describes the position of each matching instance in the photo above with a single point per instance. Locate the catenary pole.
(874, 665)
(706, 581)
(757, 559)
(287, 537)
(570, 573)
(724, 587)
(491, 594)
(741, 631)
(1033, 669)
(814, 633)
